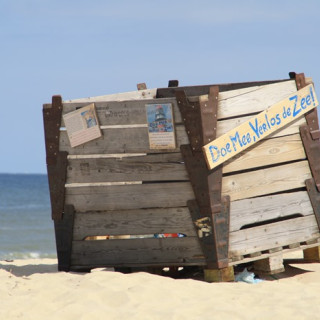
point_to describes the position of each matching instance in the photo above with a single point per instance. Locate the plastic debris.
(246, 276)
(169, 235)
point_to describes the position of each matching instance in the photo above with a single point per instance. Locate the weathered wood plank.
(124, 112)
(239, 186)
(266, 152)
(170, 167)
(273, 235)
(135, 140)
(121, 140)
(154, 167)
(125, 197)
(266, 254)
(201, 262)
(250, 211)
(223, 87)
(178, 220)
(231, 103)
(131, 95)
(184, 251)
(266, 181)
(254, 99)
(135, 252)
(133, 222)
(169, 220)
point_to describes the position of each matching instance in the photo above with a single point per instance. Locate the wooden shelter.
(117, 202)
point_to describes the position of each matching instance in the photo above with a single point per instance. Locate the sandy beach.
(34, 289)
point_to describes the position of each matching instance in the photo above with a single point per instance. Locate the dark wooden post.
(310, 136)
(57, 172)
(209, 211)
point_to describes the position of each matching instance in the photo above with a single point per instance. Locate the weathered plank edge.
(204, 89)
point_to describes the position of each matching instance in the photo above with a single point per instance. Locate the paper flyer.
(160, 126)
(82, 125)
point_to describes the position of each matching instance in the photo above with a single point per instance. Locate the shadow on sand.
(28, 269)
(36, 268)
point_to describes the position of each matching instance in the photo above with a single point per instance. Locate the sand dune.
(34, 289)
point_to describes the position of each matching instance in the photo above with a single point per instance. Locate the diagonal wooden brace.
(209, 212)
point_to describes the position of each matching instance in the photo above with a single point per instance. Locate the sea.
(26, 227)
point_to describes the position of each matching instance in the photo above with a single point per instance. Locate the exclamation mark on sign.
(311, 92)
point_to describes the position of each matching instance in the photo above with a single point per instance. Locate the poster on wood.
(160, 126)
(260, 126)
(82, 125)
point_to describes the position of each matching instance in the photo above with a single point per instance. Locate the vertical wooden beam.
(209, 212)
(314, 196)
(312, 254)
(312, 150)
(57, 174)
(64, 235)
(312, 116)
(271, 265)
(56, 160)
(219, 275)
(310, 136)
(52, 122)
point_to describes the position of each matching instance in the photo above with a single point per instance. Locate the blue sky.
(96, 47)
